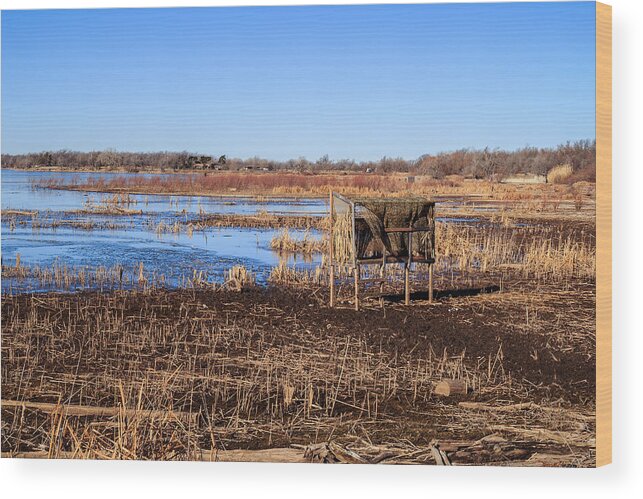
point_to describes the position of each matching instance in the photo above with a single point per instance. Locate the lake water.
(133, 240)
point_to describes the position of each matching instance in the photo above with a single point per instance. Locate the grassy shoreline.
(207, 194)
(297, 185)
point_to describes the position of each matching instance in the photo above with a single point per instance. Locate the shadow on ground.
(447, 293)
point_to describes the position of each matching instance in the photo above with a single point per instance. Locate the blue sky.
(356, 82)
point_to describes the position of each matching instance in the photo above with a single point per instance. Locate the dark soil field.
(192, 374)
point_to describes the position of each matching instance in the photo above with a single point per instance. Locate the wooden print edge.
(603, 234)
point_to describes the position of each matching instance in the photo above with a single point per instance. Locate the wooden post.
(430, 283)
(407, 269)
(355, 257)
(330, 252)
(356, 274)
(382, 277)
(432, 225)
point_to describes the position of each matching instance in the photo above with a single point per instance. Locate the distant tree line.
(111, 160)
(475, 163)
(495, 163)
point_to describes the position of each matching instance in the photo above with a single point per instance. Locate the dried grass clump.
(284, 242)
(343, 248)
(116, 204)
(284, 274)
(16, 271)
(60, 276)
(559, 174)
(262, 219)
(562, 258)
(238, 278)
(175, 228)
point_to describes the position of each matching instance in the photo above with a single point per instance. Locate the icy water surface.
(131, 240)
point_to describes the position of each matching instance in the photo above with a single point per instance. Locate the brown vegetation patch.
(261, 220)
(273, 367)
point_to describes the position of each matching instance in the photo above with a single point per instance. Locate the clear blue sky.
(282, 82)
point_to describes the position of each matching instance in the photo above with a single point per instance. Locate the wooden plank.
(383, 277)
(431, 283)
(603, 234)
(354, 235)
(356, 277)
(439, 456)
(344, 199)
(407, 269)
(408, 229)
(394, 259)
(407, 288)
(331, 276)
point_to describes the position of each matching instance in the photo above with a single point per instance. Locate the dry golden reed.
(559, 174)
(529, 251)
(238, 277)
(285, 242)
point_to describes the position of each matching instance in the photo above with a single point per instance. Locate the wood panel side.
(603, 234)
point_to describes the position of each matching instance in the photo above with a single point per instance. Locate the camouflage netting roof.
(373, 216)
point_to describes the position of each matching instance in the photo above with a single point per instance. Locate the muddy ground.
(275, 367)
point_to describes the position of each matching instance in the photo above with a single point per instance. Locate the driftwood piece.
(278, 455)
(527, 406)
(450, 387)
(332, 453)
(383, 456)
(440, 456)
(545, 435)
(493, 450)
(319, 453)
(86, 410)
(479, 406)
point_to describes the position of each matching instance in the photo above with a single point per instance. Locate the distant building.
(524, 178)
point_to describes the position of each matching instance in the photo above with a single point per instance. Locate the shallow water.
(131, 240)
(18, 194)
(134, 242)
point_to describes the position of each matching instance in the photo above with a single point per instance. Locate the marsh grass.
(239, 277)
(63, 277)
(285, 242)
(530, 251)
(289, 275)
(559, 174)
(311, 185)
(261, 220)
